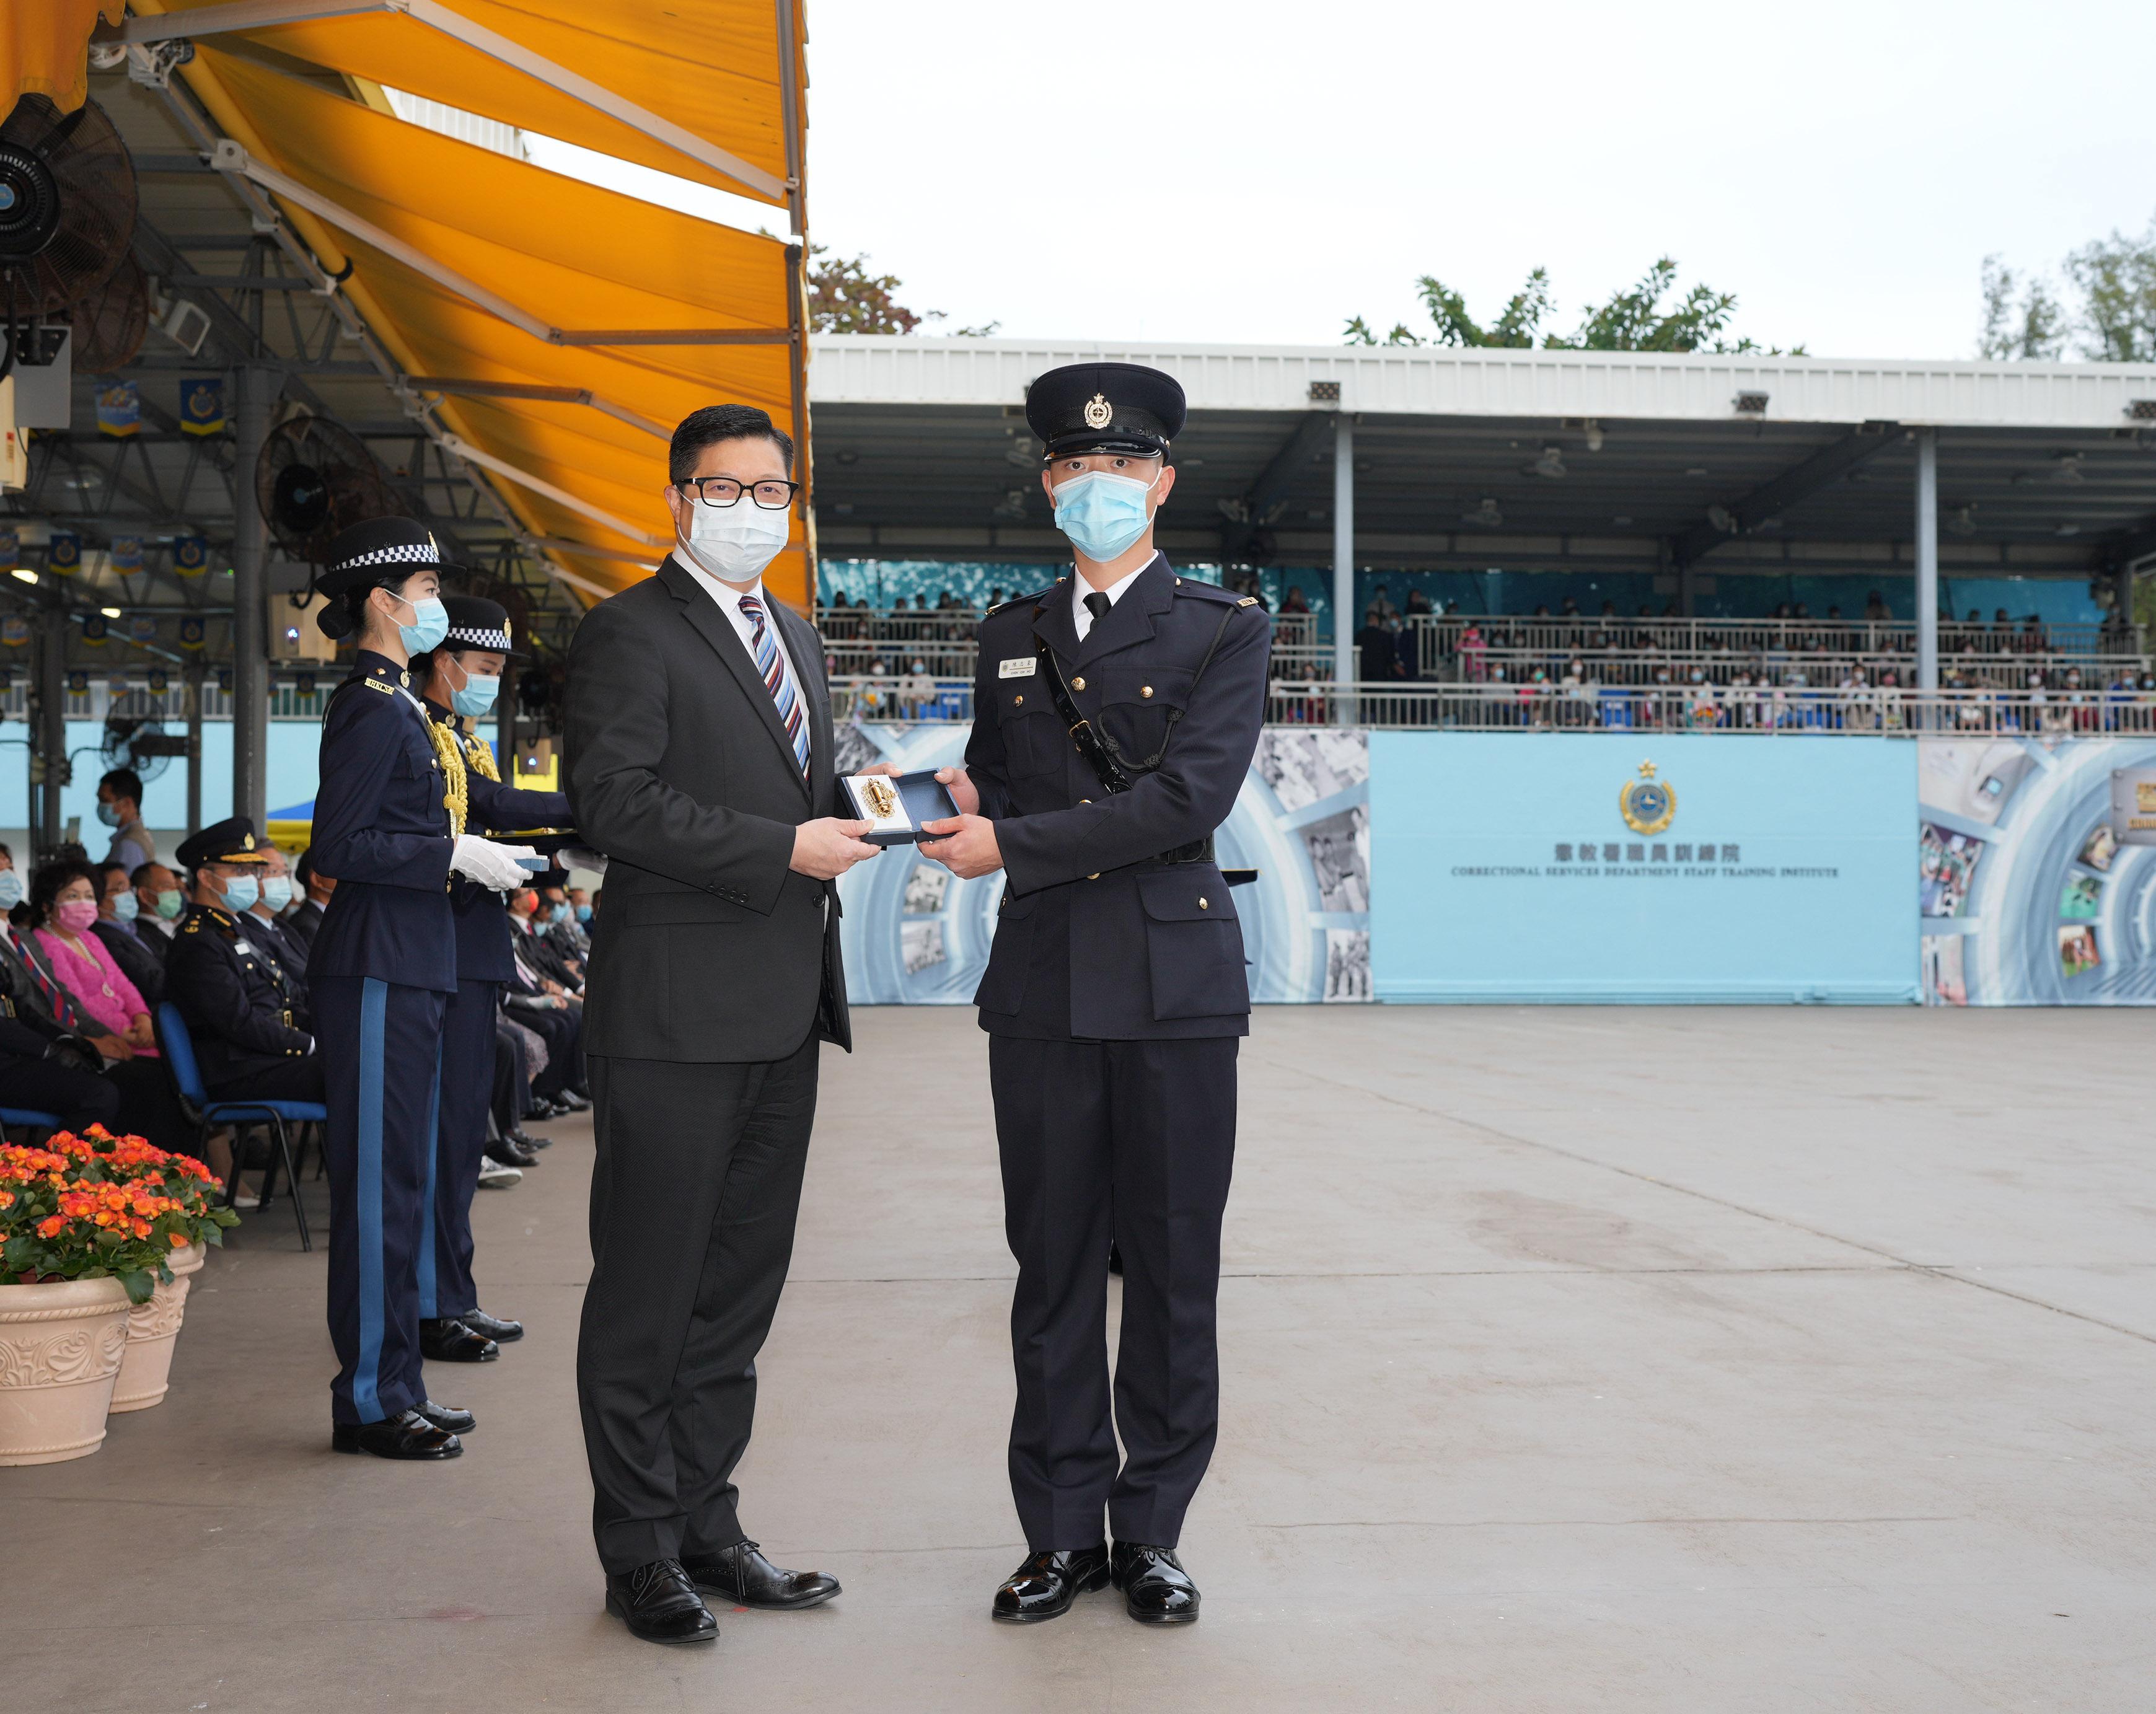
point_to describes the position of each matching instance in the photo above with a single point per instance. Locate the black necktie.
(1097, 604)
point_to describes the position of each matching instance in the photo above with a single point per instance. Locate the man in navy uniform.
(1114, 718)
(245, 1016)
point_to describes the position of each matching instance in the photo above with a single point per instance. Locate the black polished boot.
(1047, 1583)
(445, 1339)
(659, 1604)
(1156, 1590)
(743, 1576)
(454, 1418)
(492, 1327)
(410, 1437)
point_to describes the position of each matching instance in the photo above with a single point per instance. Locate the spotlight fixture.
(1750, 404)
(26, 574)
(110, 613)
(1550, 464)
(2141, 410)
(1325, 392)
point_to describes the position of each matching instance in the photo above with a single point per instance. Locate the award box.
(896, 804)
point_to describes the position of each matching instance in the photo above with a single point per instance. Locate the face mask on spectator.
(108, 814)
(11, 889)
(240, 893)
(584, 913)
(76, 915)
(557, 913)
(277, 891)
(169, 903)
(126, 907)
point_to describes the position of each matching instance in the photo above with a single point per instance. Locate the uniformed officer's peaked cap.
(232, 841)
(1105, 408)
(476, 623)
(380, 550)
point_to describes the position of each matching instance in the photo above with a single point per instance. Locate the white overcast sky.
(1257, 171)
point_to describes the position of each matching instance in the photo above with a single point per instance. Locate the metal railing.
(1443, 634)
(1759, 710)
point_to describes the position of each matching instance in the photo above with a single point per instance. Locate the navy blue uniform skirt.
(467, 1091)
(381, 1047)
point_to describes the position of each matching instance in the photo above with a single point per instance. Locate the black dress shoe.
(408, 1436)
(446, 1339)
(569, 1101)
(492, 1327)
(1047, 1583)
(746, 1578)
(533, 1140)
(1156, 1590)
(452, 1417)
(509, 1150)
(659, 1604)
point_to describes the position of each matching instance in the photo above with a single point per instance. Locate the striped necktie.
(777, 680)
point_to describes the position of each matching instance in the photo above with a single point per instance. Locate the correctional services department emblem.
(1099, 412)
(1648, 805)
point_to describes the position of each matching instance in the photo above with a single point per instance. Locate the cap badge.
(1099, 413)
(247, 841)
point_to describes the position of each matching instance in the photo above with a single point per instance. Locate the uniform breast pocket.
(1193, 943)
(1135, 706)
(1035, 740)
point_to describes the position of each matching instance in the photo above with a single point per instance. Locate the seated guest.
(158, 903)
(117, 910)
(241, 1007)
(267, 926)
(63, 905)
(307, 915)
(563, 932)
(541, 1005)
(527, 935)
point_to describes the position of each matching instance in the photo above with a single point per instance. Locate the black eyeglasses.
(772, 495)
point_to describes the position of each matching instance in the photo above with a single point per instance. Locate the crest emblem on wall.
(1649, 805)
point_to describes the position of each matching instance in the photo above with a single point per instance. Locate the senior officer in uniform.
(461, 678)
(246, 1019)
(1114, 719)
(381, 971)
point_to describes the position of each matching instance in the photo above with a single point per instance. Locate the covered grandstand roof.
(1481, 457)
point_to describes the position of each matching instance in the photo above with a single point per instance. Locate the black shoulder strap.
(1103, 754)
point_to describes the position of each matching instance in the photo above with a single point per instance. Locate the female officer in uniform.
(460, 680)
(381, 970)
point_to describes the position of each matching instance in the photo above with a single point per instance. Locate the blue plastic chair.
(30, 1118)
(177, 1046)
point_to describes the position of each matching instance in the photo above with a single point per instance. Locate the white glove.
(582, 857)
(490, 865)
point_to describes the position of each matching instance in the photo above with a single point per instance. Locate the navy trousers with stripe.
(467, 1091)
(381, 1047)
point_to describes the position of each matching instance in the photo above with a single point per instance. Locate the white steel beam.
(538, 484)
(553, 395)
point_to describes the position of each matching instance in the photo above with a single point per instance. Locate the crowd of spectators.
(84, 953)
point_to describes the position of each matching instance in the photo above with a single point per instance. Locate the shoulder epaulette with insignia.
(1212, 591)
(377, 684)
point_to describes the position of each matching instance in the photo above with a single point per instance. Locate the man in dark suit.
(700, 760)
(1114, 718)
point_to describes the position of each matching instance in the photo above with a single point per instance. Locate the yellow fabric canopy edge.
(44, 47)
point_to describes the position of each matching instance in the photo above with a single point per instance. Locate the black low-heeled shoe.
(1047, 1583)
(492, 1327)
(452, 1418)
(659, 1604)
(409, 1438)
(743, 1576)
(445, 1339)
(1156, 1590)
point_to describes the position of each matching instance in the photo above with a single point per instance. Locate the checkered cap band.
(402, 553)
(474, 637)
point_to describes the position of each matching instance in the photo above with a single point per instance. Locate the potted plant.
(153, 1326)
(79, 1243)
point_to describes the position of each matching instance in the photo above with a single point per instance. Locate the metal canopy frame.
(269, 14)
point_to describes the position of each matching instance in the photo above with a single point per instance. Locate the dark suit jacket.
(1096, 937)
(709, 948)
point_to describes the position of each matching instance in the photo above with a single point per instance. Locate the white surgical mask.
(734, 543)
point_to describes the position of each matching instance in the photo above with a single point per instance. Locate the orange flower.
(50, 1226)
(179, 1239)
(7, 1198)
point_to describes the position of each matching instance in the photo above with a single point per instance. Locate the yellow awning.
(44, 49)
(483, 272)
(711, 68)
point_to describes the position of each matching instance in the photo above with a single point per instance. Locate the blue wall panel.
(1492, 877)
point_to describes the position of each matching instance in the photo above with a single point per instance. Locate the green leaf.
(139, 1285)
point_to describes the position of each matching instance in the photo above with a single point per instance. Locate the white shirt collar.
(1081, 614)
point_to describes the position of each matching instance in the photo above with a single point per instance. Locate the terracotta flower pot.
(152, 1328)
(60, 1347)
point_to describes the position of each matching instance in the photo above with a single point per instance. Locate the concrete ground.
(1575, 1361)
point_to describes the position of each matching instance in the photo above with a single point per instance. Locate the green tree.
(2022, 318)
(2106, 313)
(844, 297)
(1635, 320)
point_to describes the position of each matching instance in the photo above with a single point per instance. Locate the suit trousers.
(460, 1140)
(693, 1195)
(380, 1048)
(1134, 1140)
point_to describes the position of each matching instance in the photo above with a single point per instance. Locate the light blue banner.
(1578, 867)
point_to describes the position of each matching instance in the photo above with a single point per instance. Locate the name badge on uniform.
(1024, 667)
(244, 948)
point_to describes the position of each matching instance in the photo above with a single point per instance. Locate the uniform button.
(1077, 684)
(1084, 800)
(1145, 690)
(1095, 875)
(1203, 905)
(1017, 701)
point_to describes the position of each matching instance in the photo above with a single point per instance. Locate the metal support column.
(194, 696)
(52, 752)
(1928, 560)
(257, 388)
(1343, 565)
